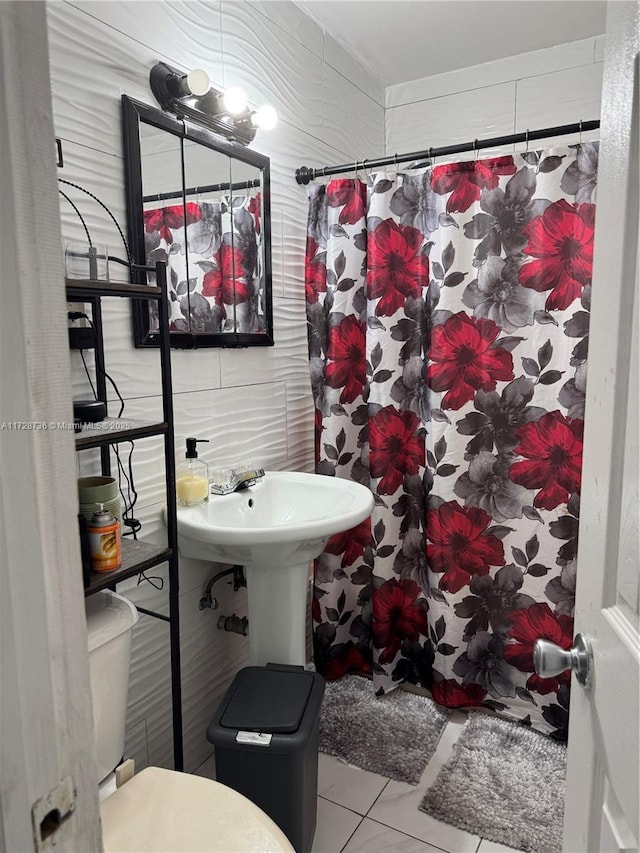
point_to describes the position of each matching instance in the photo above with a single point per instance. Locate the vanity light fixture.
(265, 117)
(191, 96)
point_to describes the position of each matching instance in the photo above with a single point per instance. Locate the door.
(602, 801)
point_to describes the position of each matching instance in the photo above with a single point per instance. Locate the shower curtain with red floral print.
(448, 316)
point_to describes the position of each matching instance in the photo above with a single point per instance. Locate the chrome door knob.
(550, 659)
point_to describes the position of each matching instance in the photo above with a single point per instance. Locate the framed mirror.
(200, 203)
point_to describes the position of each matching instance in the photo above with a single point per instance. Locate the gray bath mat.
(394, 735)
(504, 782)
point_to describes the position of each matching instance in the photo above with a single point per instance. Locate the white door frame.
(601, 810)
(46, 727)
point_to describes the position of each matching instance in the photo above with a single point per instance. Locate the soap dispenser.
(192, 477)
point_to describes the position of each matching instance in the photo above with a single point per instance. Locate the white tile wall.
(251, 403)
(542, 88)
(446, 120)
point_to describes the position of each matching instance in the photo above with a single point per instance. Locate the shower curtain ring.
(432, 159)
(364, 166)
(580, 132)
(475, 149)
(526, 137)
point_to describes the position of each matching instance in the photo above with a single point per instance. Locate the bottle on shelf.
(104, 541)
(192, 477)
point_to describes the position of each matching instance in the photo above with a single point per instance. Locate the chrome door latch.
(550, 659)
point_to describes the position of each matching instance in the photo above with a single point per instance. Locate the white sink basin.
(274, 529)
(285, 515)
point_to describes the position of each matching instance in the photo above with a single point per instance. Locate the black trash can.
(265, 734)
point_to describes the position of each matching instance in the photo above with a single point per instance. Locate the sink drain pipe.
(236, 624)
(239, 580)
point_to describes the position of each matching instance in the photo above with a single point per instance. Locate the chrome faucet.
(233, 479)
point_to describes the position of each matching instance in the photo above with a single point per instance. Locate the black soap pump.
(192, 477)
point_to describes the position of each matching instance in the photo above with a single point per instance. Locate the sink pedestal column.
(277, 613)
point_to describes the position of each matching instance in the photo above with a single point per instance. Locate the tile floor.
(360, 811)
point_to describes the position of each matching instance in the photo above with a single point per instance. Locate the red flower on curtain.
(163, 219)
(465, 181)
(396, 448)
(347, 365)
(534, 623)
(397, 268)
(254, 208)
(315, 273)
(553, 447)
(351, 659)
(561, 241)
(452, 694)
(351, 196)
(464, 360)
(351, 543)
(224, 282)
(398, 614)
(459, 545)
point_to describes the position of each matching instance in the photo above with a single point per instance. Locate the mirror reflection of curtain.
(448, 319)
(214, 260)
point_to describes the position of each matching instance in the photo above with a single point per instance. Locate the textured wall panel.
(286, 363)
(293, 20)
(185, 33)
(559, 98)
(148, 476)
(248, 421)
(352, 121)
(300, 431)
(479, 114)
(92, 65)
(265, 411)
(489, 73)
(103, 175)
(557, 85)
(340, 59)
(272, 66)
(206, 414)
(288, 149)
(210, 659)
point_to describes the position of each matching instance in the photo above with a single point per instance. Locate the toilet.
(157, 810)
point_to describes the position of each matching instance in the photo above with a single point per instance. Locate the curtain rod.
(306, 174)
(210, 188)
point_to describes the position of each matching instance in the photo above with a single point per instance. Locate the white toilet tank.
(110, 621)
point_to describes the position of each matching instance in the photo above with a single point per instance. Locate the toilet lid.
(162, 811)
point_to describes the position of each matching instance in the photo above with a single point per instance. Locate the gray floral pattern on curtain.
(213, 257)
(448, 316)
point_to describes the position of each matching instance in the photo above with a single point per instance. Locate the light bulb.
(234, 100)
(198, 82)
(265, 117)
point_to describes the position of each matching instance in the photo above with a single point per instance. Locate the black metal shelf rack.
(137, 555)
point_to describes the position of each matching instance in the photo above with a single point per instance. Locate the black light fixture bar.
(306, 174)
(171, 90)
(209, 188)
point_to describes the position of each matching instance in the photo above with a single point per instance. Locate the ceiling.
(407, 39)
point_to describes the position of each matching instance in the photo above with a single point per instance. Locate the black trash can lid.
(268, 700)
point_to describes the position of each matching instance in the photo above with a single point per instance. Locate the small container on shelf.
(84, 261)
(192, 477)
(105, 544)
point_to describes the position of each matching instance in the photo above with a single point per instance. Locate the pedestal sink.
(274, 529)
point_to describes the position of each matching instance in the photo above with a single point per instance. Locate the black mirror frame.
(133, 113)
